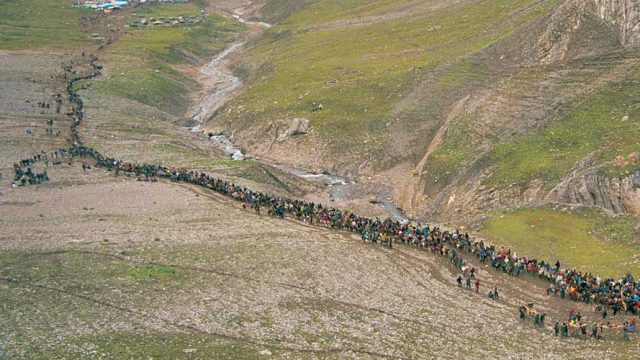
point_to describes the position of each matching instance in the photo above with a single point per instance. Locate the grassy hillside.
(359, 59)
(587, 240)
(147, 86)
(142, 65)
(591, 124)
(135, 109)
(33, 24)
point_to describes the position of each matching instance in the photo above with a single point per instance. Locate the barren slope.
(94, 266)
(446, 100)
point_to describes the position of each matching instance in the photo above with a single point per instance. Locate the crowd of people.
(618, 295)
(574, 326)
(24, 173)
(622, 294)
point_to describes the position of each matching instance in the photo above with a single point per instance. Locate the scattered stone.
(265, 352)
(190, 351)
(625, 118)
(316, 107)
(299, 126)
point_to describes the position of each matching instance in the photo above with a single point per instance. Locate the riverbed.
(222, 84)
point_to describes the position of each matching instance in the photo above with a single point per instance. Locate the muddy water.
(343, 189)
(224, 81)
(224, 84)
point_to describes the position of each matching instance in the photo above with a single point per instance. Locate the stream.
(224, 84)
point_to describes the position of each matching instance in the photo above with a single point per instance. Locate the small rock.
(265, 352)
(625, 118)
(189, 351)
(299, 126)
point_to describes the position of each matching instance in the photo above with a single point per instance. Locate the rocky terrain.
(95, 266)
(516, 120)
(447, 128)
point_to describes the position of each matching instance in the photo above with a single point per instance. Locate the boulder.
(299, 126)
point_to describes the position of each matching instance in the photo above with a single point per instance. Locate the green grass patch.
(48, 312)
(32, 24)
(588, 240)
(167, 345)
(361, 73)
(141, 66)
(593, 124)
(153, 271)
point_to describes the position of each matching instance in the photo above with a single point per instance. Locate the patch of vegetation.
(142, 65)
(153, 271)
(361, 73)
(33, 24)
(588, 240)
(593, 125)
(65, 293)
(168, 345)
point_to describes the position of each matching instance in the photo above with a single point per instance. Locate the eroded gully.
(221, 85)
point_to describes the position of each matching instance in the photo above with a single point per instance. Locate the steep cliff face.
(624, 15)
(557, 61)
(585, 184)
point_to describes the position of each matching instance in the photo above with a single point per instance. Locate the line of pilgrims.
(619, 295)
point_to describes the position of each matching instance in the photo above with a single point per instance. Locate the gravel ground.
(91, 261)
(98, 266)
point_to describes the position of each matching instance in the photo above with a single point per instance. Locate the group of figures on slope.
(579, 286)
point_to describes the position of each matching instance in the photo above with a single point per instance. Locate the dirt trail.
(276, 284)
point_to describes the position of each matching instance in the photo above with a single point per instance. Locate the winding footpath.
(451, 245)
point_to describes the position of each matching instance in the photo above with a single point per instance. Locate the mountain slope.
(465, 106)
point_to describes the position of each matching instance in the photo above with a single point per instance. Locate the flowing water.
(224, 85)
